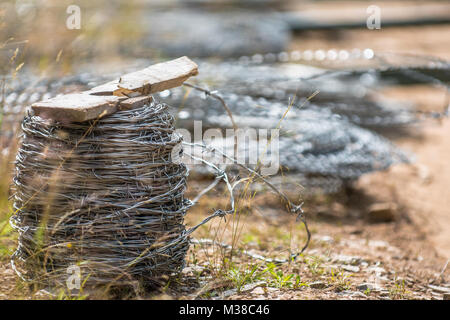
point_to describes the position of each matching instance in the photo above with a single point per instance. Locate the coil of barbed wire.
(107, 196)
(102, 195)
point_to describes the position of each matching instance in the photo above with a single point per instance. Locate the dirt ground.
(422, 188)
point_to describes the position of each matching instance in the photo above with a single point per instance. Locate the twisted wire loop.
(103, 195)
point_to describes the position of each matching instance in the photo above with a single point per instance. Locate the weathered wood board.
(76, 107)
(156, 78)
(130, 91)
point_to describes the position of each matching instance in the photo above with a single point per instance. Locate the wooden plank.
(106, 89)
(130, 91)
(137, 102)
(156, 78)
(76, 107)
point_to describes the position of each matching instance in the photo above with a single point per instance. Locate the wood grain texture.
(76, 107)
(132, 90)
(156, 78)
(137, 102)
